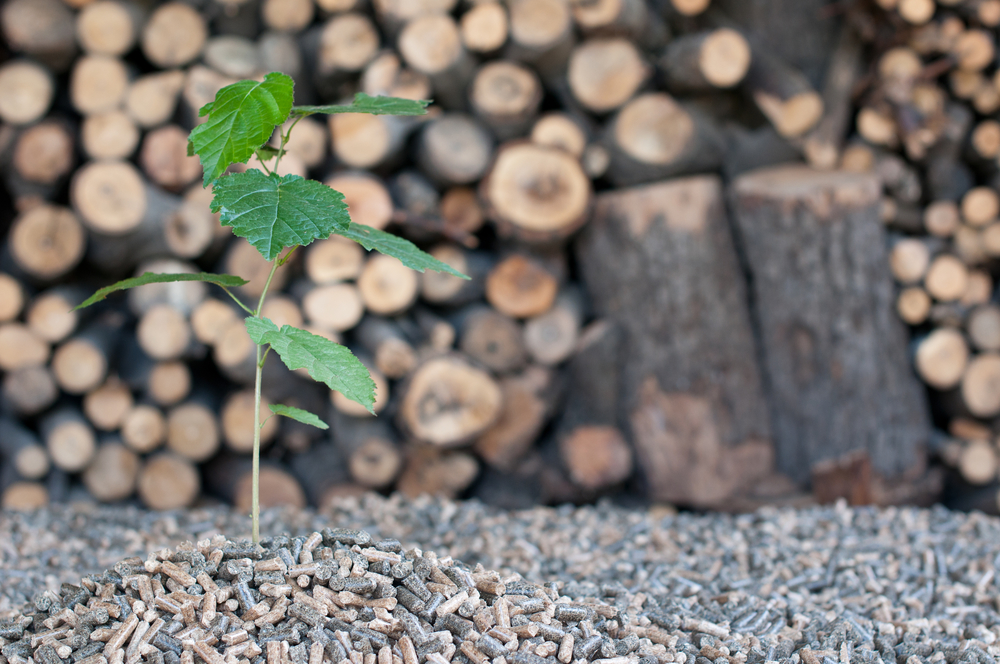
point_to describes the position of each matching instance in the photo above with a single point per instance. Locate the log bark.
(168, 482)
(506, 96)
(691, 387)
(863, 399)
(113, 473)
(28, 92)
(47, 241)
(446, 402)
(29, 391)
(604, 73)
(848, 477)
(784, 95)
(454, 149)
(823, 145)
(635, 20)
(536, 194)
(655, 137)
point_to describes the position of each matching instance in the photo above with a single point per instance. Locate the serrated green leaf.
(372, 105)
(266, 152)
(298, 415)
(240, 120)
(391, 245)
(225, 280)
(273, 212)
(326, 361)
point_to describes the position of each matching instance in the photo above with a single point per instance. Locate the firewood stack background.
(668, 305)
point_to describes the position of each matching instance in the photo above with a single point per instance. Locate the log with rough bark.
(691, 395)
(832, 350)
(783, 94)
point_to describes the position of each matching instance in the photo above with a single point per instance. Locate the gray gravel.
(817, 585)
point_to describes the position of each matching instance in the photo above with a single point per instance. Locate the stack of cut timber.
(575, 164)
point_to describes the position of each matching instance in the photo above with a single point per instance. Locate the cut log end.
(112, 475)
(375, 463)
(193, 432)
(520, 287)
(941, 358)
(107, 406)
(597, 457)
(605, 73)
(47, 241)
(168, 482)
(277, 488)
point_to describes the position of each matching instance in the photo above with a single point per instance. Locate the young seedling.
(277, 214)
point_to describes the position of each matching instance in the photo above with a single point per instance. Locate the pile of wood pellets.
(600, 584)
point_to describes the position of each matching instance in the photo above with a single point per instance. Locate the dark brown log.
(535, 193)
(823, 145)
(28, 91)
(848, 477)
(492, 339)
(111, 135)
(384, 339)
(431, 44)
(435, 472)
(23, 450)
(107, 406)
(168, 482)
(604, 73)
(446, 402)
(815, 413)
(174, 35)
(108, 27)
(29, 391)
(484, 27)
(541, 35)
(44, 30)
(454, 149)
(506, 96)
(705, 61)
(69, 439)
(521, 287)
(551, 337)
(193, 431)
(462, 215)
(113, 473)
(46, 241)
(691, 388)
(98, 84)
(20, 347)
(529, 399)
(655, 137)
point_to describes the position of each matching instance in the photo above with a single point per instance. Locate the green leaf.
(326, 361)
(240, 120)
(266, 152)
(298, 415)
(391, 245)
(367, 104)
(224, 280)
(273, 212)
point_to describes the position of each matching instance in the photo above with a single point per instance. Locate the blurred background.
(725, 253)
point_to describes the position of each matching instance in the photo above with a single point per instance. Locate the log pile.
(575, 164)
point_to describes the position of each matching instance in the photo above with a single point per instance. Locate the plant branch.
(255, 490)
(238, 301)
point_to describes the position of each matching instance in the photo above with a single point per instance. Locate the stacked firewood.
(506, 385)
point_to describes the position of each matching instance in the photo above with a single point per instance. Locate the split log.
(446, 289)
(454, 149)
(492, 339)
(108, 27)
(168, 482)
(69, 439)
(506, 96)
(705, 61)
(603, 74)
(20, 347)
(384, 340)
(437, 473)
(193, 431)
(521, 287)
(237, 422)
(446, 402)
(174, 35)
(654, 137)
(163, 332)
(484, 27)
(535, 193)
(783, 95)
(144, 429)
(334, 259)
(431, 44)
(670, 242)
(168, 383)
(529, 399)
(46, 241)
(867, 401)
(107, 406)
(551, 336)
(113, 473)
(165, 160)
(23, 450)
(45, 30)
(29, 391)
(28, 92)
(387, 287)
(541, 35)
(111, 135)
(98, 84)
(81, 363)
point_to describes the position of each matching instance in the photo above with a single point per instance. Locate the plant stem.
(255, 489)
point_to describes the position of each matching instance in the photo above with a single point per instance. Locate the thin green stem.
(255, 489)
(284, 141)
(237, 301)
